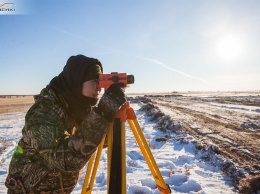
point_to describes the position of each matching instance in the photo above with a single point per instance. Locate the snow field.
(182, 166)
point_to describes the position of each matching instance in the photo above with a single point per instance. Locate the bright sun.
(229, 48)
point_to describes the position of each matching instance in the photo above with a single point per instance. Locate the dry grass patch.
(15, 103)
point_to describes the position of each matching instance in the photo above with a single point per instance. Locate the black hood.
(69, 84)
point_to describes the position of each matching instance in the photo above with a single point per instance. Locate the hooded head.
(68, 83)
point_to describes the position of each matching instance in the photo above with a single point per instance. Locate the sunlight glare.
(229, 48)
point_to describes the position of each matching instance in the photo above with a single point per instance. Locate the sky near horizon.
(169, 45)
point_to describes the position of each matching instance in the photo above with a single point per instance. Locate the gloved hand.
(110, 102)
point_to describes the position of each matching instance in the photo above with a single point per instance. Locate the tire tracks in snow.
(236, 143)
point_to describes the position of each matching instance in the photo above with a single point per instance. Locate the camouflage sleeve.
(89, 134)
(45, 134)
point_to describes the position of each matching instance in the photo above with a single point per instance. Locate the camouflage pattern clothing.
(53, 149)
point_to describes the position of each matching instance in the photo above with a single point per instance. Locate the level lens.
(130, 79)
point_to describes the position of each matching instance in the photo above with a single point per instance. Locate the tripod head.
(105, 80)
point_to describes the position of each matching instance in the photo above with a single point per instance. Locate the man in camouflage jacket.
(63, 129)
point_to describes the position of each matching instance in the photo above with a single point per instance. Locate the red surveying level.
(105, 80)
(116, 162)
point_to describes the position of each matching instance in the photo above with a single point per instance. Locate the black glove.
(110, 102)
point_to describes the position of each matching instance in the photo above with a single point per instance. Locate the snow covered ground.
(182, 165)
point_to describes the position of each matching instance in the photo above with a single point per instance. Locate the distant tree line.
(10, 96)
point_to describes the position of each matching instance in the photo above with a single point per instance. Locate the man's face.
(91, 88)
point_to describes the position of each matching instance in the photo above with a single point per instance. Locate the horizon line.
(171, 92)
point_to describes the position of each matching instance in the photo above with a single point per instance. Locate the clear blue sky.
(169, 45)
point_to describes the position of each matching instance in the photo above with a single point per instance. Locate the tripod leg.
(117, 169)
(148, 156)
(123, 157)
(88, 189)
(86, 180)
(109, 153)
